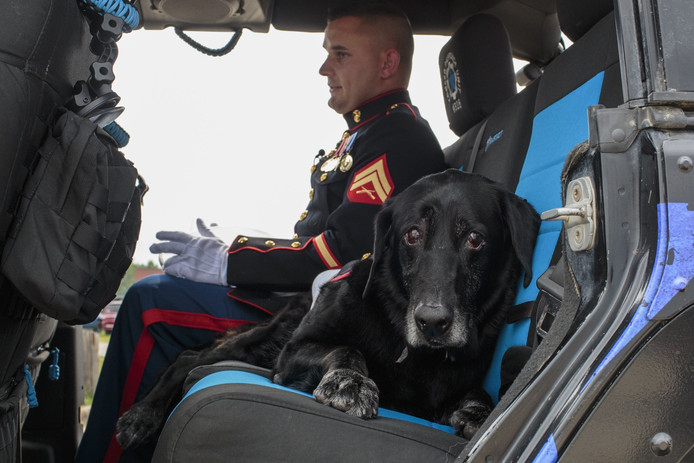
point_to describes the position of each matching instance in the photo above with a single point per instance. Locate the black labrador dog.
(411, 328)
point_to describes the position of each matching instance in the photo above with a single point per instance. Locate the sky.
(231, 139)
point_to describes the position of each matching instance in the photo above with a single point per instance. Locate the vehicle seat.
(495, 144)
(268, 422)
(586, 74)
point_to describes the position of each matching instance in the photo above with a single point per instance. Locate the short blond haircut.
(388, 20)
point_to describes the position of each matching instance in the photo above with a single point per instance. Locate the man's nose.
(324, 70)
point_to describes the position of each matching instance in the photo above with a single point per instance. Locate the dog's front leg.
(471, 413)
(139, 424)
(346, 385)
(145, 418)
(257, 344)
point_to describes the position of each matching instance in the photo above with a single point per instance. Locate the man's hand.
(198, 258)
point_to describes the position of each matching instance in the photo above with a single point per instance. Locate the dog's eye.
(412, 236)
(475, 240)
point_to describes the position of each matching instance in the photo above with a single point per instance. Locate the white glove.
(198, 258)
(318, 282)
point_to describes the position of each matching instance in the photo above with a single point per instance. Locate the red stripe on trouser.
(144, 348)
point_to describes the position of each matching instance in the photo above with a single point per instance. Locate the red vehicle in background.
(108, 314)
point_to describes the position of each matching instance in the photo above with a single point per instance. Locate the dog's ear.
(382, 238)
(523, 224)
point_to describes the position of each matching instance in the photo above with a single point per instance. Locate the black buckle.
(548, 301)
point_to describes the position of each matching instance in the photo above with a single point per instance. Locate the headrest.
(576, 17)
(476, 71)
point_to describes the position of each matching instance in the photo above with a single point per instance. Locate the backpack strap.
(476, 147)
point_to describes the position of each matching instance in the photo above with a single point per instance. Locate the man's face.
(353, 64)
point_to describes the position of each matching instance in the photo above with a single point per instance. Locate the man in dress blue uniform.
(209, 286)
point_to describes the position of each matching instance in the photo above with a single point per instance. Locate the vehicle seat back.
(499, 142)
(495, 144)
(476, 71)
(586, 74)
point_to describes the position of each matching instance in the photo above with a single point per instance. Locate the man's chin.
(337, 106)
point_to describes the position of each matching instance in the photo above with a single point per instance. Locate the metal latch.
(578, 214)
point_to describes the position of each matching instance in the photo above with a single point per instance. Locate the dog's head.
(451, 249)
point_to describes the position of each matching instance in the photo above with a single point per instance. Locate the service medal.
(330, 165)
(346, 162)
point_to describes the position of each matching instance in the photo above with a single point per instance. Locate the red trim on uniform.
(414, 114)
(363, 103)
(143, 349)
(189, 320)
(137, 369)
(364, 122)
(341, 276)
(319, 251)
(402, 103)
(247, 302)
(325, 253)
(389, 92)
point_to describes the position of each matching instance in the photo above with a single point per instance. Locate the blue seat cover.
(243, 377)
(556, 130)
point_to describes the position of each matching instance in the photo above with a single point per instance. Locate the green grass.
(103, 337)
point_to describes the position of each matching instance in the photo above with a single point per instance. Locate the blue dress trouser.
(160, 316)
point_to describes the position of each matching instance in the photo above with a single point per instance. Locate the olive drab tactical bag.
(74, 234)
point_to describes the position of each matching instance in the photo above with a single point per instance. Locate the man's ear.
(391, 63)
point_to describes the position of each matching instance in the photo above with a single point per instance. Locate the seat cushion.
(240, 415)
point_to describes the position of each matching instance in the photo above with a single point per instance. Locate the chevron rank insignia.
(371, 184)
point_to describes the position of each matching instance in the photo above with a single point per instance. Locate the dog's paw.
(350, 392)
(469, 418)
(138, 425)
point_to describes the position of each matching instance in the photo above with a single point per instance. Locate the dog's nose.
(432, 320)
